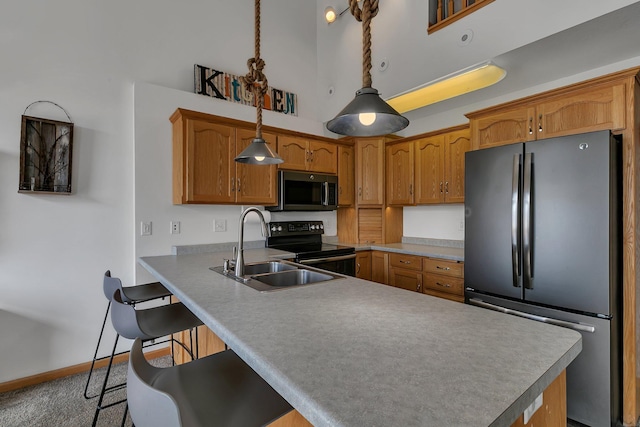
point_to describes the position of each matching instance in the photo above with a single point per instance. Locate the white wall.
(86, 56)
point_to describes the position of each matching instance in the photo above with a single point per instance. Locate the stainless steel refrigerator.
(542, 240)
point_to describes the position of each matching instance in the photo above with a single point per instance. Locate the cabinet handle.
(540, 123)
(530, 125)
(446, 187)
(233, 185)
(444, 285)
(357, 268)
(360, 192)
(440, 186)
(405, 262)
(306, 156)
(311, 156)
(411, 189)
(340, 190)
(238, 185)
(443, 268)
(419, 289)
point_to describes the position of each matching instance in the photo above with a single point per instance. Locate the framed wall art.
(45, 154)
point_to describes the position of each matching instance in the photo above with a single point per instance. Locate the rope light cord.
(365, 14)
(255, 80)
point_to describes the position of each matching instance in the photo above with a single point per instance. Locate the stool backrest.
(109, 286)
(148, 406)
(124, 318)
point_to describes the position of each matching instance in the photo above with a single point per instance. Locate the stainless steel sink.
(276, 275)
(267, 267)
(293, 278)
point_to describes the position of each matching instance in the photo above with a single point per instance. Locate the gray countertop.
(355, 353)
(454, 254)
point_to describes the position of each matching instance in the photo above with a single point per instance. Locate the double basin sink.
(275, 275)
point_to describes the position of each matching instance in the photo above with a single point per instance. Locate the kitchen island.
(349, 352)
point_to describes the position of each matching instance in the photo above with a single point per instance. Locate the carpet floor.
(61, 403)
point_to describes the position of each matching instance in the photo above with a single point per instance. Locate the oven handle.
(321, 260)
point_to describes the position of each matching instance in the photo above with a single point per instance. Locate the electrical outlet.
(219, 225)
(145, 228)
(175, 227)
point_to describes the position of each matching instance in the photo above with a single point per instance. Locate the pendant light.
(258, 152)
(367, 114)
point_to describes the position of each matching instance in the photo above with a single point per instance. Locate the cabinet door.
(346, 176)
(399, 174)
(210, 169)
(457, 143)
(322, 157)
(370, 171)
(255, 184)
(429, 170)
(588, 110)
(379, 267)
(370, 225)
(293, 151)
(505, 127)
(363, 265)
(410, 280)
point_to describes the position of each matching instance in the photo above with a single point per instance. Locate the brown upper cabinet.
(370, 171)
(346, 176)
(306, 154)
(204, 170)
(399, 177)
(439, 166)
(587, 109)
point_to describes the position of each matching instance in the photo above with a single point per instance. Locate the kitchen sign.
(221, 85)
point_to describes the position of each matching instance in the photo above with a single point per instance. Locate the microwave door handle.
(325, 193)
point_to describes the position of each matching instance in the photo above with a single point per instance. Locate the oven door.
(344, 264)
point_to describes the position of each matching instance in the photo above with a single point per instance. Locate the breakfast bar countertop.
(350, 352)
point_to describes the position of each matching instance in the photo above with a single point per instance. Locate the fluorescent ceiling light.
(455, 84)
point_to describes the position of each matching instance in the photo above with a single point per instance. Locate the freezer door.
(594, 388)
(568, 235)
(492, 261)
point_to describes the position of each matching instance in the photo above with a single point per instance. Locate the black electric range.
(304, 239)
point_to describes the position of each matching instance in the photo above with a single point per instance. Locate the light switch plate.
(219, 225)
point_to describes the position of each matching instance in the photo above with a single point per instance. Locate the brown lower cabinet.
(433, 276)
(363, 265)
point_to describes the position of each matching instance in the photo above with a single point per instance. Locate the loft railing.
(444, 12)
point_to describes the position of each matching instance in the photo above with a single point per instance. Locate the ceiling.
(606, 40)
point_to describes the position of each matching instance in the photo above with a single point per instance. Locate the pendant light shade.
(367, 115)
(258, 153)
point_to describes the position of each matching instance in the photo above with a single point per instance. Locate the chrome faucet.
(239, 264)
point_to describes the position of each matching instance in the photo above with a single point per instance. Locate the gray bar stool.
(220, 389)
(145, 324)
(130, 295)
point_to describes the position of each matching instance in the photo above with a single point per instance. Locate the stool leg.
(95, 354)
(104, 384)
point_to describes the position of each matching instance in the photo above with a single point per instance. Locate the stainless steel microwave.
(305, 191)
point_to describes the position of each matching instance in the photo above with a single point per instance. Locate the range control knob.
(279, 228)
(321, 226)
(313, 227)
(273, 228)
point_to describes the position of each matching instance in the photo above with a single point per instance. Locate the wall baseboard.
(72, 370)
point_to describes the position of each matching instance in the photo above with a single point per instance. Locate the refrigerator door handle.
(527, 275)
(515, 220)
(565, 324)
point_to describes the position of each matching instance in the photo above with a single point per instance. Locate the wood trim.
(198, 115)
(72, 370)
(458, 15)
(433, 133)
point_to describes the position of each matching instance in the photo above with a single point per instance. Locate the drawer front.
(441, 266)
(440, 283)
(410, 262)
